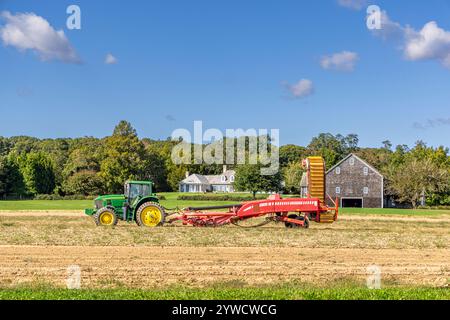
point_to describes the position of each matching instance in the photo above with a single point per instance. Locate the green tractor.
(138, 203)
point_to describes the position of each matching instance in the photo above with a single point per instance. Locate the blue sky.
(231, 64)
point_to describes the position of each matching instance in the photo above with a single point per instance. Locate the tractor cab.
(134, 190)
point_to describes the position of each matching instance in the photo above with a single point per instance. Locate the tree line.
(90, 166)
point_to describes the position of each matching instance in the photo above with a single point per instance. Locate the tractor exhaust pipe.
(124, 211)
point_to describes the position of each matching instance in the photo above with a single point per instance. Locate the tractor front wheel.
(150, 214)
(105, 217)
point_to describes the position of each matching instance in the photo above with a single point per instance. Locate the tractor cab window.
(138, 190)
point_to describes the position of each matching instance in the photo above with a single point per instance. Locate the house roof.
(354, 155)
(195, 179)
(217, 179)
(209, 179)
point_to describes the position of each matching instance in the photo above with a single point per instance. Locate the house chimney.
(187, 174)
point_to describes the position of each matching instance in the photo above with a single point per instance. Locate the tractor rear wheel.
(105, 217)
(150, 214)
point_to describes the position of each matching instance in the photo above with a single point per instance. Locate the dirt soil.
(146, 267)
(42, 213)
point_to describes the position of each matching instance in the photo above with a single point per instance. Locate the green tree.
(333, 148)
(175, 174)
(349, 142)
(248, 178)
(84, 182)
(23, 144)
(124, 158)
(84, 156)
(417, 178)
(5, 146)
(291, 153)
(37, 170)
(154, 168)
(11, 180)
(165, 174)
(438, 156)
(377, 157)
(292, 175)
(387, 145)
(327, 146)
(58, 151)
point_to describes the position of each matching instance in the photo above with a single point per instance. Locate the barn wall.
(352, 181)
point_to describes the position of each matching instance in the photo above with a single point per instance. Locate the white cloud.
(342, 61)
(353, 4)
(110, 59)
(429, 43)
(27, 31)
(301, 89)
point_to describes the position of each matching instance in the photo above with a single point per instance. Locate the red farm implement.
(294, 212)
(140, 204)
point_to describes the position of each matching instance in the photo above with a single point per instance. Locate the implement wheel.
(296, 217)
(291, 225)
(150, 214)
(306, 223)
(105, 217)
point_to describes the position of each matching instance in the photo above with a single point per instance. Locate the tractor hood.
(115, 200)
(110, 197)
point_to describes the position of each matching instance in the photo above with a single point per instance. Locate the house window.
(352, 161)
(338, 170)
(366, 190)
(338, 190)
(366, 171)
(223, 178)
(232, 178)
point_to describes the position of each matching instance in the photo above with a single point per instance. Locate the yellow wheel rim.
(106, 218)
(151, 216)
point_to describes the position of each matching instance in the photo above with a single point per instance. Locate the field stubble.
(38, 248)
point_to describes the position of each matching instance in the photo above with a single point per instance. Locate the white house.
(208, 183)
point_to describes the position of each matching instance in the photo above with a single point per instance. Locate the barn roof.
(359, 159)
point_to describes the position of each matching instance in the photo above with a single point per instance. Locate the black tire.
(100, 217)
(301, 218)
(141, 221)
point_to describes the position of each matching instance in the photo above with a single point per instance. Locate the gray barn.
(356, 183)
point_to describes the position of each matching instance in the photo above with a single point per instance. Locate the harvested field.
(71, 229)
(37, 247)
(156, 267)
